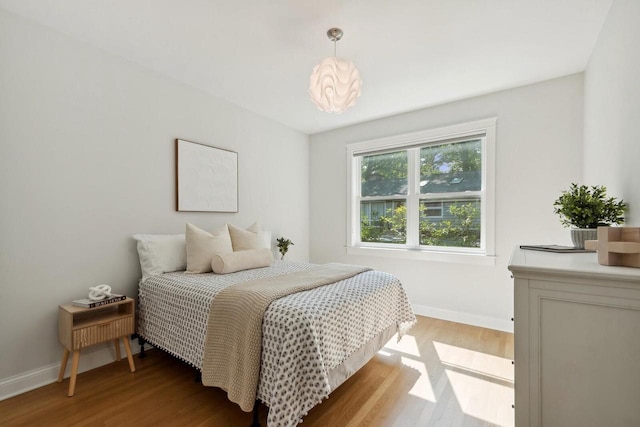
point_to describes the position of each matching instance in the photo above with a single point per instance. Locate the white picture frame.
(206, 178)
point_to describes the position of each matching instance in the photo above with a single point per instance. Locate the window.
(430, 192)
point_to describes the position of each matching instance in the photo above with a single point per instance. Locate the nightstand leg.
(74, 372)
(127, 348)
(63, 365)
(117, 344)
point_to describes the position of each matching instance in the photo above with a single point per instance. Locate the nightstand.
(81, 327)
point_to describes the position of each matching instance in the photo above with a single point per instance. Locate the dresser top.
(574, 264)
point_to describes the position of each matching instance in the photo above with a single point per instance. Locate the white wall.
(612, 108)
(539, 152)
(87, 160)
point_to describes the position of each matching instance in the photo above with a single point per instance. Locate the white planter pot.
(579, 235)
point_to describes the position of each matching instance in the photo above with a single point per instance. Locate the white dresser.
(577, 341)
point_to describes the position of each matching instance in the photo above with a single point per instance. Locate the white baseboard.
(26, 381)
(505, 325)
(91, 358)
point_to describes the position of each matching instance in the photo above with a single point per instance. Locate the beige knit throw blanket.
(233, 345)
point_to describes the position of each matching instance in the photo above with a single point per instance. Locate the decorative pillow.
(241, 260)
(266, 239)
(161, 253)
(202, 246)
(242, 240)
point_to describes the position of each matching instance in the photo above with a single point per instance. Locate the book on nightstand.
(87, 303)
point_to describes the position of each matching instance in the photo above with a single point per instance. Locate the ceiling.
(411, 54)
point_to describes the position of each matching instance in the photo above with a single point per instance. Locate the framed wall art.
(207, 178)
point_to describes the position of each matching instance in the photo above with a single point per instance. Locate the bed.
(311, 341)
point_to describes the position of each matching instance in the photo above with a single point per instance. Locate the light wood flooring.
(440, 374)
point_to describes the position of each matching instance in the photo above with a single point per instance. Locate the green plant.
(283, 245)
(588, 207)
(461, 230)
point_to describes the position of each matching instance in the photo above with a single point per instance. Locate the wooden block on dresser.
(619, 246)
(631, 234)
(606, 235)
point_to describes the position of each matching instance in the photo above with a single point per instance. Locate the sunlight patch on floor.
(407, 345)
(479, 381)
(475, 395)
(422, 387)
(474, 361)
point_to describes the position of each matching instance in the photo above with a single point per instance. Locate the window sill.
(412, 254)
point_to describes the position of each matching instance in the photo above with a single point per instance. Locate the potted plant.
(283, 246)
(585, 209)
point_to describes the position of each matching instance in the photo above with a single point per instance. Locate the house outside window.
(429, 191)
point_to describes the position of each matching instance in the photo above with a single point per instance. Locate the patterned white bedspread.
(305, 335)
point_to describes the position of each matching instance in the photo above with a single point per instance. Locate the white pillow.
(202, 246)
(243, 240)
(266, 239)
(241, 260)
(161, 253)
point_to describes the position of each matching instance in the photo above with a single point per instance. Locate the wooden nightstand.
(81, 327)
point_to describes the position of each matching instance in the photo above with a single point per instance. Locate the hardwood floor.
(440, 374)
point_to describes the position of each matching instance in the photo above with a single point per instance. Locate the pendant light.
(335, 83)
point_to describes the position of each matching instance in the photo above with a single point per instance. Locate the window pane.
(383, 221)
(458, 227)
(384, 174)
(451, 168)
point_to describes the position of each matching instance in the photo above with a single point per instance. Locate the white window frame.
(486, 129)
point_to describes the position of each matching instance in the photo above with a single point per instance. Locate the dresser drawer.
(110, 330)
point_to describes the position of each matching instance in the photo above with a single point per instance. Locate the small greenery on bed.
(283, 245)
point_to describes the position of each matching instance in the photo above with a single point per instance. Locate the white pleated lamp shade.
(334, 85)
